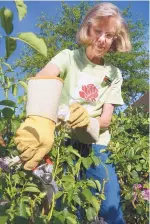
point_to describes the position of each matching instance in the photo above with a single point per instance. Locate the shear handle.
(47, 159)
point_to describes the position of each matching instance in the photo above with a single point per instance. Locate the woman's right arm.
(49, 70)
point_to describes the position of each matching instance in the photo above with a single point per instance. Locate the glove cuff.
(43, 97)
(93, 129)
(89, 134)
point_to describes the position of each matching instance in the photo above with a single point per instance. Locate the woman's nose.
(102, 38)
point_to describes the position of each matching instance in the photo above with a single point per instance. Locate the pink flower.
(146, 194)
(89, 92)
(137, 187)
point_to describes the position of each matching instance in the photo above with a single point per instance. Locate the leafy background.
(22, 198)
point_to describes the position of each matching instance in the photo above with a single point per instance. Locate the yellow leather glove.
(34, 139)
(79, 116)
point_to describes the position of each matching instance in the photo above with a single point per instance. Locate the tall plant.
(7, 81)
(29, 38)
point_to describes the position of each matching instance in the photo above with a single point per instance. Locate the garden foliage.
(22, 197)
(130, 154)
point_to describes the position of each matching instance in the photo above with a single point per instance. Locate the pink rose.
(146, 194)
(89, 92)
(137, 186)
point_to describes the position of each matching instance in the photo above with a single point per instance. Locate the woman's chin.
(98, 53)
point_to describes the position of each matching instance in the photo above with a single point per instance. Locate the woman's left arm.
(106, 116)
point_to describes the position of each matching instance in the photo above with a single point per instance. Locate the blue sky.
(140, 9)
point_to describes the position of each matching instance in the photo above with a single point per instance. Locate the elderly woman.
(91, 88)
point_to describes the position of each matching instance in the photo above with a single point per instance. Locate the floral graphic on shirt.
(89, 92)
(106, 81)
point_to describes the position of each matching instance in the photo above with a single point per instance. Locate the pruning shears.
(44, 173)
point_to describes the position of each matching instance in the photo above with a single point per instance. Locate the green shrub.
(129, 153)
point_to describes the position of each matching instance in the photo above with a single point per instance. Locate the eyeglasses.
(108, 36)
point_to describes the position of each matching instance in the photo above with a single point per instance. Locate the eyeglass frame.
(99, 33)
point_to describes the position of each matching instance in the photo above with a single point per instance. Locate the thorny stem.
(57, 160)
(104, 181)
(49, 216)
(58, 157)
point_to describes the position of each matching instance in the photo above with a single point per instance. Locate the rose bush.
(129, 153)
(22, 198)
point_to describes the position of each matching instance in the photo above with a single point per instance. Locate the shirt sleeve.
(61, 60)
(114, 96)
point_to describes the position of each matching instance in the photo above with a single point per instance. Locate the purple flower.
(3, 165)
(146, 194)
(7, 162)
(99, 221)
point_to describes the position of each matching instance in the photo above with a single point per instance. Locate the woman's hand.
(79, 116)
(34, 139)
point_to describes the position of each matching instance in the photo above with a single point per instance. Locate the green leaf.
(28, 211)
(68, 178)
(21, 211)
(87, 194)
(130, 153)
(8, 66)
(134, 174)
(14, 89)
(58, 194)
(42, 194)
(3, 219)
(22, 9)
(7, 82)
(128, 196)
(24, 85)
(32, 189)
(25, 198)
(10, 46)
(7, 112)
(31, 184)
(129, 167)
(91, 183)
(90, 214)
(102, 196)
(96, 160)
(8, 103)
(16, 178)
(71, 220)
(15, 125)
(33, 41)
(98, 185)
(138, 167)
(95, 203)
(87, 162)
(20, 99)
(6, 16)
(70, 149)
(77, 199)
(77, 166)
(70, 195)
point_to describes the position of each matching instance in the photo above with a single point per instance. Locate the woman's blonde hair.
(122, 43)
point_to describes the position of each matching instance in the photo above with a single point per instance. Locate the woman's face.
(102, 34)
